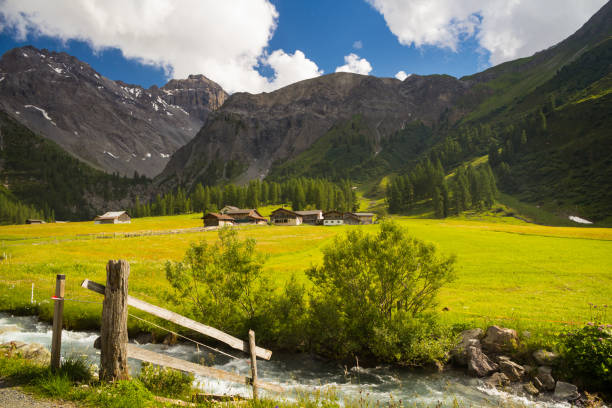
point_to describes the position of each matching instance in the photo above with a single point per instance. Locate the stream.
(300, 374)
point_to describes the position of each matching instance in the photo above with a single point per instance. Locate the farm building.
(31, 221)
(246, 216)
(217, 220)
(333, 218)
(227, 208)
(358, 218)
(283, 216)
(312, 217)
(113, 217)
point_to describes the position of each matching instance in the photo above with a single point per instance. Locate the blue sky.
(268, 44)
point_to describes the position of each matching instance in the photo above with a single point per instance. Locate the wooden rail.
(178, 364)
(184, 321)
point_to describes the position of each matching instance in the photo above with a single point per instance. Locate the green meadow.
(517, 274)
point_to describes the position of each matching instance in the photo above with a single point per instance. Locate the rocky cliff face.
(109, 124)
(249, 133)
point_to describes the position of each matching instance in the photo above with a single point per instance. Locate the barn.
(246, 216)
(32, 221)
(113, 217)
(312, 217)
(217, 220)
(283, 216)
(358, 218)
(333, 218)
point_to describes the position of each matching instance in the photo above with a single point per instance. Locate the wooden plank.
(253, 363)
(184, 321)
(58, 314)
(178, 364)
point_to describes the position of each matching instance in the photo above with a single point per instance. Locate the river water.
(300, 374)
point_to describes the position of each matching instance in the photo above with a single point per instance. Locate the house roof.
(309, 212)
(111, 215)
(285, 210)
(230, 207)
(361, 214)
(218, 216)
(239, 211)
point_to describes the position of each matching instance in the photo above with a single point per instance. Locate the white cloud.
(358, 45)
(223, 40)
(401, 75)
(355, 65)
(508, 29)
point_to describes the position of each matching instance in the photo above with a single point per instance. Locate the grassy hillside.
(40, 173)
(518, 274)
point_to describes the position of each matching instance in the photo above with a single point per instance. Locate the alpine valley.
(542, 123)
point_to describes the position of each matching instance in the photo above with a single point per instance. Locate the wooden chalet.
(358, 218)
(333, 218)
(284, 216)
(312, 217)
(32, 221)
(246, 216)
(113, 217)
(217, 220)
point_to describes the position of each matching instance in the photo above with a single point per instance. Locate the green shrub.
(165, 381)
(374, 295)
(122, 394)
(77, 369)
(587, 356)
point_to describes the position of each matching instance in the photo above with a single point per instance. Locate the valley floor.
(520, 275)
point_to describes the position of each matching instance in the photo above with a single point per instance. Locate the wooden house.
(246, 216)
(227, 208)
(333, 218)
(32, 221)
(113, 217)
(358, 218)
(312, 217)
(217, 220)
(283, 216)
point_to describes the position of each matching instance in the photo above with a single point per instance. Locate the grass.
(508, 270)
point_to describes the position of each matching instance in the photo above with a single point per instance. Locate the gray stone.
(499, 339)
(544, 357)
(497, 380)
(468, 338)
(144, 338)
(170, 339)
(530, 389)
(546, 379)
(566, 391)
(36, 352)
(479, 364)
(544, 370)
(515, 372)
(536, 381)
(98, 343)
(9, 329)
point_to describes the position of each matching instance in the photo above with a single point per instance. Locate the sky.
(262, 45)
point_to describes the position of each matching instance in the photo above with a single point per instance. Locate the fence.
(114, 346)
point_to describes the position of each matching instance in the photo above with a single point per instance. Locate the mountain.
(252, 135)
(111, 125)
(363, 128)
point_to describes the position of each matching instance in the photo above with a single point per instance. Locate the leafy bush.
(587, 355)
(122, 394)
(374, 295)
(165, 381)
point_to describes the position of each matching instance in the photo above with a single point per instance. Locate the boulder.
(536, 381)
(530, 389)
(566, 391)
(170, 339)
(497, 380)
(544, 357)
(545, 377)
(499, 339)
(479, 364)
(9, 329)
(513, 371)
(36, 352)
(144, 338)
(468, 338)
(98, 343)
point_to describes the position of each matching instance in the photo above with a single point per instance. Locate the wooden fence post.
(58, 313)
(113, 333)
(253, 362)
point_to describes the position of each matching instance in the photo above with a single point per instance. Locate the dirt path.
(13, 397)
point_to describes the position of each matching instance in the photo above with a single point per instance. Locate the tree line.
(15, 212)
(470, 188)
(301, 193)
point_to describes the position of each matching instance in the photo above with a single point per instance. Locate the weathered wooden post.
(114, 334)
(58, 313)
(253, 362)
